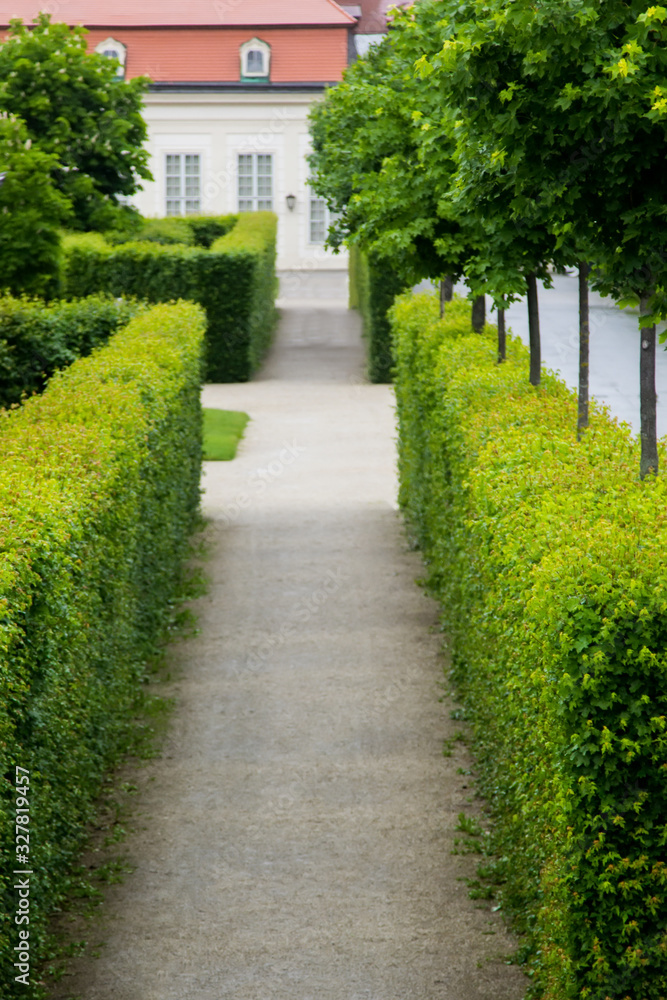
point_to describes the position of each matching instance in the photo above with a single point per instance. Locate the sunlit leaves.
(75, 107)
(548, 558)
(100, 488)
(31, 208)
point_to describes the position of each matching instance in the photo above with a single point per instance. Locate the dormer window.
(255, 61)
(112, 49)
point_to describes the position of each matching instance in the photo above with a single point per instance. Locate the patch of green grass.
(223, 429)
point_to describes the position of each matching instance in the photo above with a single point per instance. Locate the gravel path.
(294, 840)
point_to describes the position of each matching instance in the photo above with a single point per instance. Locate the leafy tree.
(562, 108)
(386, 159)
(473, 72)
(30, 211)
(631, 208)
(533, 136)
(389, 197)
(76, 108)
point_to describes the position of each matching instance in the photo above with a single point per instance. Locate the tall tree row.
(497, 139)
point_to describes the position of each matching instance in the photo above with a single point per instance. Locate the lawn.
(223, 429)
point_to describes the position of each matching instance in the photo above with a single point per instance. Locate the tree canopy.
(539, 127)
(389, 195)
(31, 209)
(560, 125)
(503, 138)
(75, 108)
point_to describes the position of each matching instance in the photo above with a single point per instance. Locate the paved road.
(614, 350)
(294, 841)
(614, 360)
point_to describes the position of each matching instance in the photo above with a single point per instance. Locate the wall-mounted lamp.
(291, 201)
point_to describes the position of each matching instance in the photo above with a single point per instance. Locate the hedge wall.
(99, 489)
(206, 229)
(192, 230)
(235, 282)
(373, 287)
(36, 340)
(549, 559)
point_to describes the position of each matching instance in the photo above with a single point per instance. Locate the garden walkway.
(294, 839)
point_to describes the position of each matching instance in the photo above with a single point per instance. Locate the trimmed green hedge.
(548, 557)
(165, 231)
(235, 282)
(36, 340)
(373, 287)
(206, 229)
(99, 491)
(191, 230)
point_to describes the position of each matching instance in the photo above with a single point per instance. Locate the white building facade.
(231, 85)
(218, 152)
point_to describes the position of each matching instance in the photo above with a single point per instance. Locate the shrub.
(234, 281)
(164, 231)
(548, 558)
(373, 287)
(240, 302)
(206, 229)
(36, 340)
(190, 230)
(99, 492)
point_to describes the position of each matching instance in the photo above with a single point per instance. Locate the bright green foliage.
(99, 492)
(36, 340)
(30, 210)
(75, 107)
(496, 137)
(165, 231)
(391, 198)
(479, 76)
(234, 281)
(560, 131)
(548, 558)
(223, 429)
(373, 287)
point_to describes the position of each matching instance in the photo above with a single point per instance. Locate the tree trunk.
(502, 339)
(647, 398)
(534, 331)
(446, 293)
(479, 313)
(584, 338)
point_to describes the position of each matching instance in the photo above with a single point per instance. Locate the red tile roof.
(181, 13)
(298, 55)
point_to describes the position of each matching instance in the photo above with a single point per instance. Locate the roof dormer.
(111, 48)
(255, 61)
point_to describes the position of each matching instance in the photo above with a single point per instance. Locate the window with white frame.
(319, 219)
(113, 49)
(255, 60)
(183, 183)
(255, 182)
